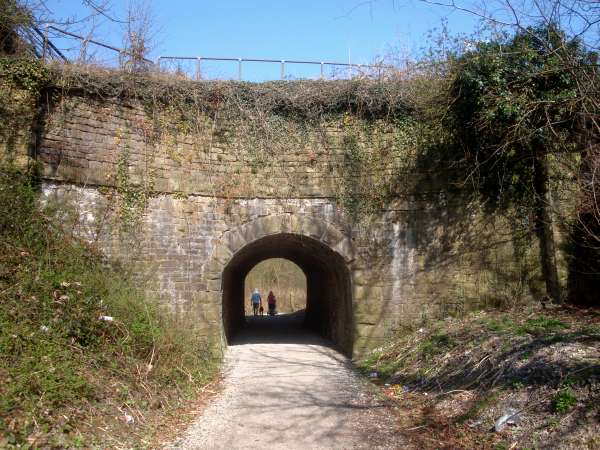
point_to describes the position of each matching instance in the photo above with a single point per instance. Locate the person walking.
(272, 301)
(256, 301)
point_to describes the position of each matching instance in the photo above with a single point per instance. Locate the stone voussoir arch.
(329, 298)
(307, 225)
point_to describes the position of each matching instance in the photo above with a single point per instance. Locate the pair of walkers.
(257, 307)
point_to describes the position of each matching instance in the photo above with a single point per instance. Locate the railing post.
(198, 73)
(240, 69)
(283, 69)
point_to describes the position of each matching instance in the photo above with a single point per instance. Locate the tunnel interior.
(328, 286)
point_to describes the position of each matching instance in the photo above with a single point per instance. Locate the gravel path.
(287, 389)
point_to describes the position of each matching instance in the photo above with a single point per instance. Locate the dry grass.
(453, 379)
(70, 379)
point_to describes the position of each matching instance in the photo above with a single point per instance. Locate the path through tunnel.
(328, 287)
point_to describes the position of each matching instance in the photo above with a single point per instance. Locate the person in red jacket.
(272, 303)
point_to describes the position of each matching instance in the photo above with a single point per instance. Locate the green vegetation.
(564, 400)
(538, 326)
(21, 80)
(13, 14)
(61, 365)
(541, 325)
(515, 107)
(486, 347)
(436, 344)
(25, 73)
(370, 361)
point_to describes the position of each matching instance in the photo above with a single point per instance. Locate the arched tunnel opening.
(328, 287)
(281, 277)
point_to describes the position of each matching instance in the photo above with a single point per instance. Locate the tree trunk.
(543, 226)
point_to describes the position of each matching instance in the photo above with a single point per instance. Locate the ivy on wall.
(21, 82)
(365, 136)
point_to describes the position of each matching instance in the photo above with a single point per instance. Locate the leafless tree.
(139, 37)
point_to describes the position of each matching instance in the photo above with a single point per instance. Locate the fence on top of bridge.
(198, 68)
(68, 47)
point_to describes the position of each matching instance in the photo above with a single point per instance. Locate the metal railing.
(38, 44)
(198, 70)
(368, 70)
(85, 41)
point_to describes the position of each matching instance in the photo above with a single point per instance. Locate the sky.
(326, 30)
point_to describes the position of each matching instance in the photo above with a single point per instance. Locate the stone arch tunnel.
(328, 285)
(212, 214)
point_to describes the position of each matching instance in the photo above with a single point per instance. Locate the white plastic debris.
(128, 418)
(44, 328)
(421, 330)
(510, 417)
(474, 423)
(106, 318)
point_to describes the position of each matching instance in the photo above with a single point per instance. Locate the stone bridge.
(200, 213)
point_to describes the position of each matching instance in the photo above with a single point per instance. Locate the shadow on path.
(279, 329)
(288, 388)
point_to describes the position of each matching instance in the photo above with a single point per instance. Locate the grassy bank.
(452, 380)
(70, 378)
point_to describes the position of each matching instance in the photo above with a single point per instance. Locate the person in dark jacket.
(272, 303)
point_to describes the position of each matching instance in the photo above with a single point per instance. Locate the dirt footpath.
(287, 389)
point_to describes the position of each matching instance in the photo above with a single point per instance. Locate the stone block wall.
(177, 206)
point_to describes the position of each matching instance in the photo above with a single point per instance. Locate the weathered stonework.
(208, 212)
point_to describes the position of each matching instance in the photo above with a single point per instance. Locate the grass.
(540, 325)
(436, 344)
(564, 400)
(537, 326)
(57, 358)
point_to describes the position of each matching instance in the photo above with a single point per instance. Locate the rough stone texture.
(427, 253)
